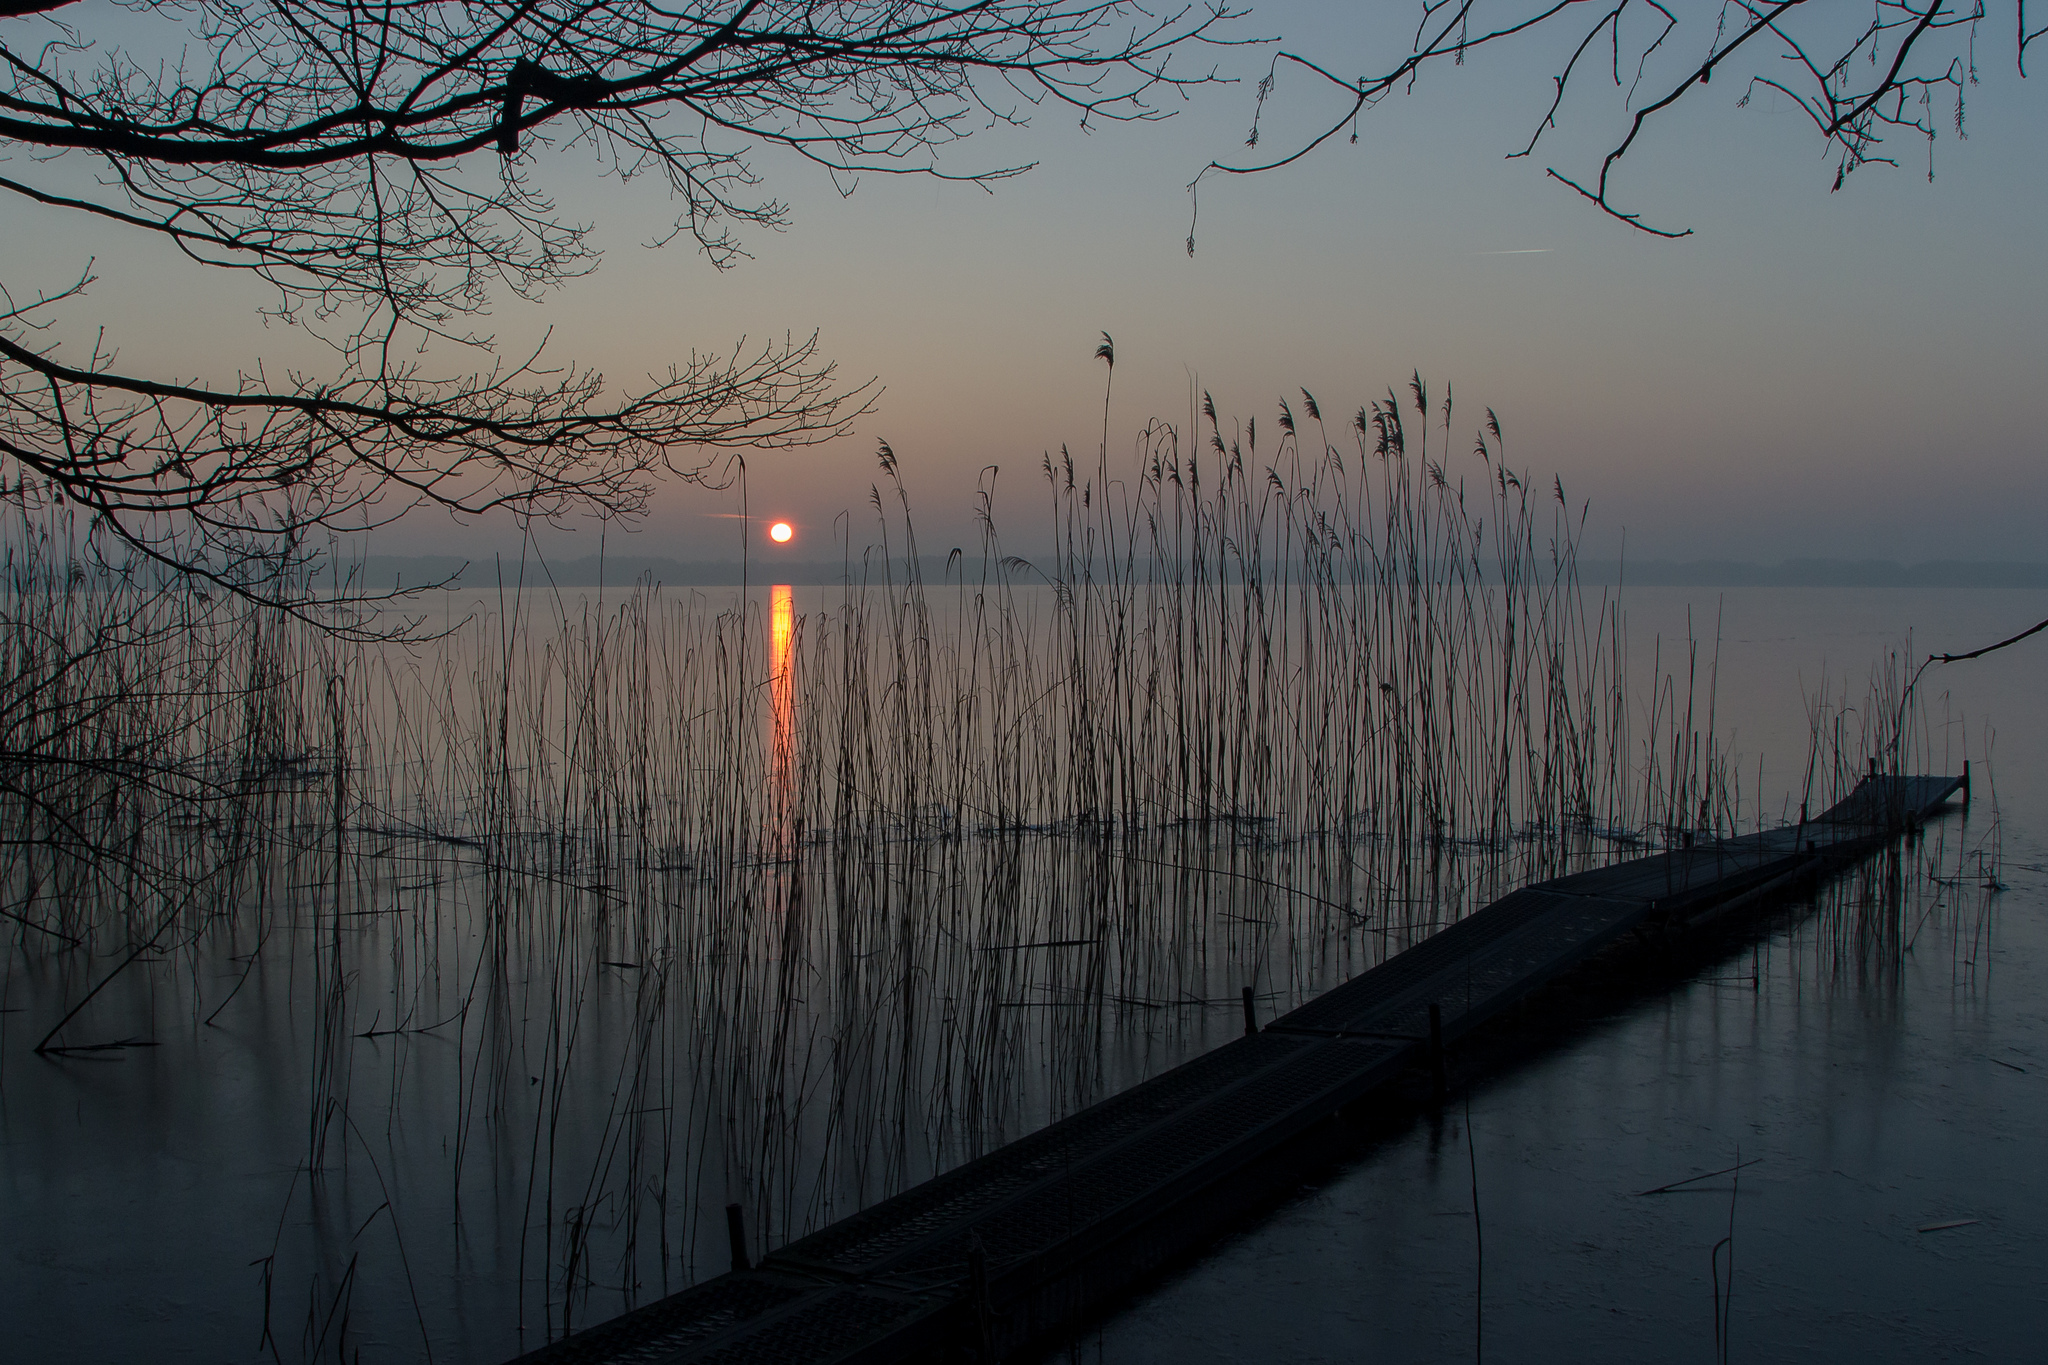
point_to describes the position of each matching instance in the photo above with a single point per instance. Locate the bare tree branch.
(1881, 70)
(370, 163)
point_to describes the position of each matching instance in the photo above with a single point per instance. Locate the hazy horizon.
(380, 572)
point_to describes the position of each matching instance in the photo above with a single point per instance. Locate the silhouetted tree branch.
(1857, 74)
(370, 163)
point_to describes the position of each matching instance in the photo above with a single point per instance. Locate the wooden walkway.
(1009, 1250)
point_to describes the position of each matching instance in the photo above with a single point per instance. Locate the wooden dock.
(1008, 1251)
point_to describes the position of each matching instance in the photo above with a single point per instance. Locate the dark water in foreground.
(1876, 1093)
(1872, 1105)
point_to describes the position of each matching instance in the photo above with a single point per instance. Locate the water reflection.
(1874, 1058)
(782, 711)
(893, 997)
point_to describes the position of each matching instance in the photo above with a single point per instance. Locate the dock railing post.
(736, 1233)
(1436, 1051)
(1251, 1014)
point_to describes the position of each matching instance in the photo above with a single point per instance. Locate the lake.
(489, 1062)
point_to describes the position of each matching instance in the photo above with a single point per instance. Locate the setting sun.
(780, 532)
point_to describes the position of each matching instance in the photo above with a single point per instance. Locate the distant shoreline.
(1819, 573)
(383, 572)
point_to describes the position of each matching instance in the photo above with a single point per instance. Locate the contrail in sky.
(1520, 251)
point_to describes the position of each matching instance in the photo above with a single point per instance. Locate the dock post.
(1251, 1014)
(1966, 782)
(736, 1233)
(977, 1296)
(1436, 1051)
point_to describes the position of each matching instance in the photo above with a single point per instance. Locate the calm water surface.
(144, 1195)
(1889, 1111)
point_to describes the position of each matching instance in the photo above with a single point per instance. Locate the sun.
(780, 532)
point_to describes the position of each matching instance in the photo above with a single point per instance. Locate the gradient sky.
(1855, 374)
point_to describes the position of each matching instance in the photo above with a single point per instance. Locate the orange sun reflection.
(781, 691)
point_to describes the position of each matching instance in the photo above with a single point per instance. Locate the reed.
(662, 903)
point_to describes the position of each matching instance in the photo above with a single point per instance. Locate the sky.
(1853, 375)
